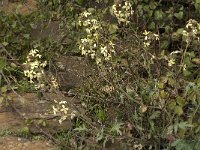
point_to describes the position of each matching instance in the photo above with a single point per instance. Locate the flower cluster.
(192, 31)
(122, 12)
(63, 111)
(35, 72)
(137, 146)
(149, 37)
(171, 62)
(34, 67)
(53, 83)
(94, 45)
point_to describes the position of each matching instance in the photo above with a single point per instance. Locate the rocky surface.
(70, 71)
(15, 143)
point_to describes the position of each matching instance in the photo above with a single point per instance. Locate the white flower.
(122, 13)
(43, 64)
(92, 55)
(146, 32)
(62, 110)
(184, 67)
(73, 114)
(38, 55)
(171, 62)
(33, 52)
(156, 36)
(98, 60)
(91, 45)
(55, 110)
(35, 66)
(104, 49)
(62, 102)
(86, 14)
(175, 52)
(88, 30)
(146, 44)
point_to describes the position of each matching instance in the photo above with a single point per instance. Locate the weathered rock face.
(34, 109)
(10, 121)
(46, 30)
(71, 71)
(30, 107)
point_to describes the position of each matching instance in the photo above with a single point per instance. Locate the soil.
(15, 143)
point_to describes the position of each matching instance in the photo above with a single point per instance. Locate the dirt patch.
(9, 120)
(15, 143)
(25, 8)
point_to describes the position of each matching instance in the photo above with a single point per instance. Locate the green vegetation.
(23, 133)
(144, 92)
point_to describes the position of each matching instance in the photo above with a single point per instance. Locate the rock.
(12, 143)
(72, 72)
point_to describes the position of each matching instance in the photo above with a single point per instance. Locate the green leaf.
(172, 105)
(180, 31)
(161, 85)
(184, 125)
(2, 63)
(1, 100)
(81, 128)
(116, 128)
(182, 8)
(179, 15)
(5, 43)
(165, 44)
(155, 115)
(100, 136)
(163, 94)
(80, 2)
(152, 26)
(140, 9)
(91, 10)
(42, 122)
(180, 100)
(25, 130)
(14, 24)
(171, 81)
(152, 5)
(146, 8)
(159, 15)
(129, 91)
(113, 28)
(197, 1)
(26, 36)
(186, 73)
(4, 89)
(13, 65)
(196, 60)
(178, 110)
